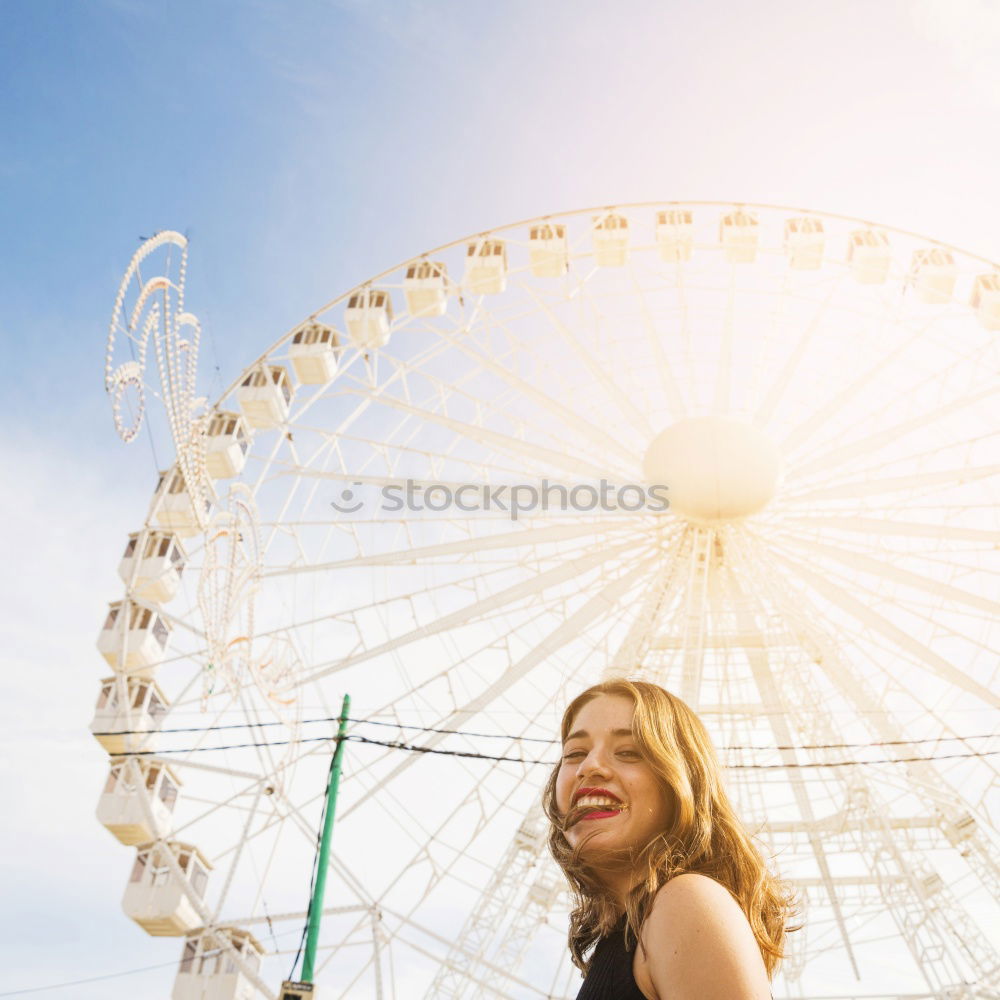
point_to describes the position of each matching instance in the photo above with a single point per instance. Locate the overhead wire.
(471, 754)
(82, 982)
(521, 739)
(101, 978)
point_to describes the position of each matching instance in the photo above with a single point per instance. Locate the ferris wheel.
(436, 494)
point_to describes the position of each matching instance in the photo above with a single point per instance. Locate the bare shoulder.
(697, 943)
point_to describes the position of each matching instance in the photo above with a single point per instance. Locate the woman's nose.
(595, 763)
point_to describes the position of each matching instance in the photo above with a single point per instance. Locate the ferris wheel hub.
(717, 468)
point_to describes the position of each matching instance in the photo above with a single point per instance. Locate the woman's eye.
(573, 755)
(629, 753)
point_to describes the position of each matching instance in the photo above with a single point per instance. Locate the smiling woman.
(642, 828)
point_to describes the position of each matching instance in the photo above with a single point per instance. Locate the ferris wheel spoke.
(390, 935)
(438, 835)
(724, 368)
(451, 387)
(214, 720)
(752, 372)
(516, 592)
(407, 699)
(234, 864)
(883, 527)
(490, 497)
(252, 712)
(364, 382)
(474, 772)
(923, 456)
(936, 613)
(874, 443)
(887, 571)
(936, 564)
(478, 434)
(638, 420)
(601, 604)
(196, 765)
(447, 722)
(653, 610)
(919, 654)
(325, 960)
(308, 832)
(941, 561)
(276, 821)
(230, 803)
(778, 389)
(685, 333)
(525, 537)
(895, 484)
(370, 392)
(348, 613)
(841, 400)
(311, 490)
(571, 418)
(262, 476)
(933, 617)
(924, 386)
(671, 391)
(391, 454)
(174, 621)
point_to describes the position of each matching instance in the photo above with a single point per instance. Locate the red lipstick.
(595, 791)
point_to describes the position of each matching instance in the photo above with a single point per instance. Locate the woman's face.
(613, 801)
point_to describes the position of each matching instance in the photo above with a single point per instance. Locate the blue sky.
(304, 146)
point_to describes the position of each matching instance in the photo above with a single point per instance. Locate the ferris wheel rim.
(591, 210)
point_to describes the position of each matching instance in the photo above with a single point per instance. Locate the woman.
(648, 839)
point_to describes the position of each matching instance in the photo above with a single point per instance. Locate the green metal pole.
(316, 903)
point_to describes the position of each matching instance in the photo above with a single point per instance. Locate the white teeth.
(598, 800)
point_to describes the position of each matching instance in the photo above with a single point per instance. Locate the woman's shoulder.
(696, 941)
(687, 901)
(693, 891)
(692, 882)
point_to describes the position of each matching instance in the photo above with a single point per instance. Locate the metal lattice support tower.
(908, 883)
(928, 914)
(956, 822)
(915, 896)
(521, 860)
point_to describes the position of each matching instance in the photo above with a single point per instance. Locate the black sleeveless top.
(610, 976)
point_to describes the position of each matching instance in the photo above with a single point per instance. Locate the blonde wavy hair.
(704, 834)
